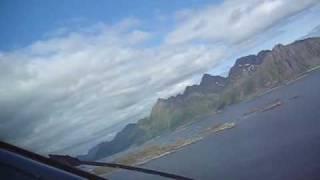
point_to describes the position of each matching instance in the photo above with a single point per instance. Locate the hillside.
(248, 76)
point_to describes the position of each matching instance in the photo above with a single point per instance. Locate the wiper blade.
(71, 161)
(16, 158)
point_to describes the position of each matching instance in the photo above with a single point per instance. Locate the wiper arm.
(76, 162)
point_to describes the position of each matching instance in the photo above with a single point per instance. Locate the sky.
(73, 73)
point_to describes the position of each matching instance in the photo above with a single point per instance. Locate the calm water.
(283, 143)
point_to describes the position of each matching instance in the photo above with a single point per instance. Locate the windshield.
(208, 89)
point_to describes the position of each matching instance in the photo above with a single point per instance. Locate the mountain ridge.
(248, 76)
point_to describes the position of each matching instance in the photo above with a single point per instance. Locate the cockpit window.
(208, 89)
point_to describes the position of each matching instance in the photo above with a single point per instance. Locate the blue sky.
(23, 22)
(78, 71)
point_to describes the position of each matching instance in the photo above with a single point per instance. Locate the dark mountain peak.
(172, 101)
(191, 89)
(209, 79)
(278, 47)
(268, 69)
(246, 64)
(208, 84)
(161, 100)
(263, 53)
(307, 40)
(205, 77)
(129, 135)
(250, 59)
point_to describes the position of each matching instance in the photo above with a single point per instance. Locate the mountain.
(248, 76)
(131, 134)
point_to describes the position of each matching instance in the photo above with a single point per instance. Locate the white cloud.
(67, 89)
(234, 21)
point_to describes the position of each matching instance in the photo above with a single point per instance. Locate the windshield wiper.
(72, 161)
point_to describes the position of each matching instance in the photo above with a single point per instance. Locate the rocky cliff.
(249, 75)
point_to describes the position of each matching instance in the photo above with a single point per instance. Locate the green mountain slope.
(249, 76)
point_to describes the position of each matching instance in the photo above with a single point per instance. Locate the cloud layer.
(234, 21)
(67, 88)
(70, 87)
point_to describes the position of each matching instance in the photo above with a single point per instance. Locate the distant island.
(248, 77)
